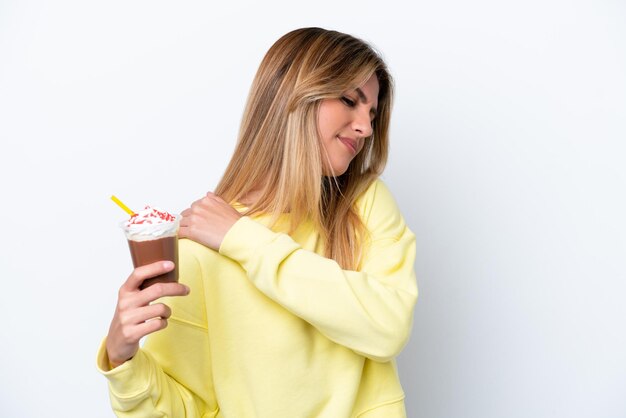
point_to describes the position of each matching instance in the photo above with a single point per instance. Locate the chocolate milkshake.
(152, 236)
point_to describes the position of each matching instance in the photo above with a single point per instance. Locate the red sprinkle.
(148, 217)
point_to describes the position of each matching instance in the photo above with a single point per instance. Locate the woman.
(300, 265)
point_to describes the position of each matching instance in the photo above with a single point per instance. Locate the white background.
(508, 161)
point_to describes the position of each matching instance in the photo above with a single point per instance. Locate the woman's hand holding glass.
(135, 315)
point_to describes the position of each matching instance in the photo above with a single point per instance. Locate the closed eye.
(348, 102)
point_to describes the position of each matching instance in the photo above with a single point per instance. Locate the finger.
(186, 222)
(144, 313)
(142, 273)
(211, 198)
(193, 217)
(186, 231)
(200, 203)
(193, 225)
(149, 327)
(201, 210)
(182, 231)
(196, 208)
(159, 290)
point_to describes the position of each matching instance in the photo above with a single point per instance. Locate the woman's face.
(344, 124)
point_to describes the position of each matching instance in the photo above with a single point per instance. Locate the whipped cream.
(151, 223)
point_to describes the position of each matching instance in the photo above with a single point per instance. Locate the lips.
(349, 142)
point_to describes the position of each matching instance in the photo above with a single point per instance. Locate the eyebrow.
(363, 98)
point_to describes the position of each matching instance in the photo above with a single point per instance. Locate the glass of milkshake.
(152, 236)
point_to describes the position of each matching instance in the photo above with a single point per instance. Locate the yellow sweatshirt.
(272, 329)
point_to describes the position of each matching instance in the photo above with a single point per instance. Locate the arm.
(369, 311)
(171, 374)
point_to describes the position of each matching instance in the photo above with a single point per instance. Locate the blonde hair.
(279, 148)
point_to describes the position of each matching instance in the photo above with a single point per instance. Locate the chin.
(337, 173)
(339, 168)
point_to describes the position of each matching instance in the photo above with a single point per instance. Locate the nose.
(362, 122)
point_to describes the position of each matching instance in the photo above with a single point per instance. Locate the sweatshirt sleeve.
(369, 311)
(170, 376)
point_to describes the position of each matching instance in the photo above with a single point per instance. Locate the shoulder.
(193, 252)
(379, 210)
(193, 259)
(198, 263)
(378, 193)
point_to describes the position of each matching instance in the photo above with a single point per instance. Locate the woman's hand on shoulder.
(208, 220)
